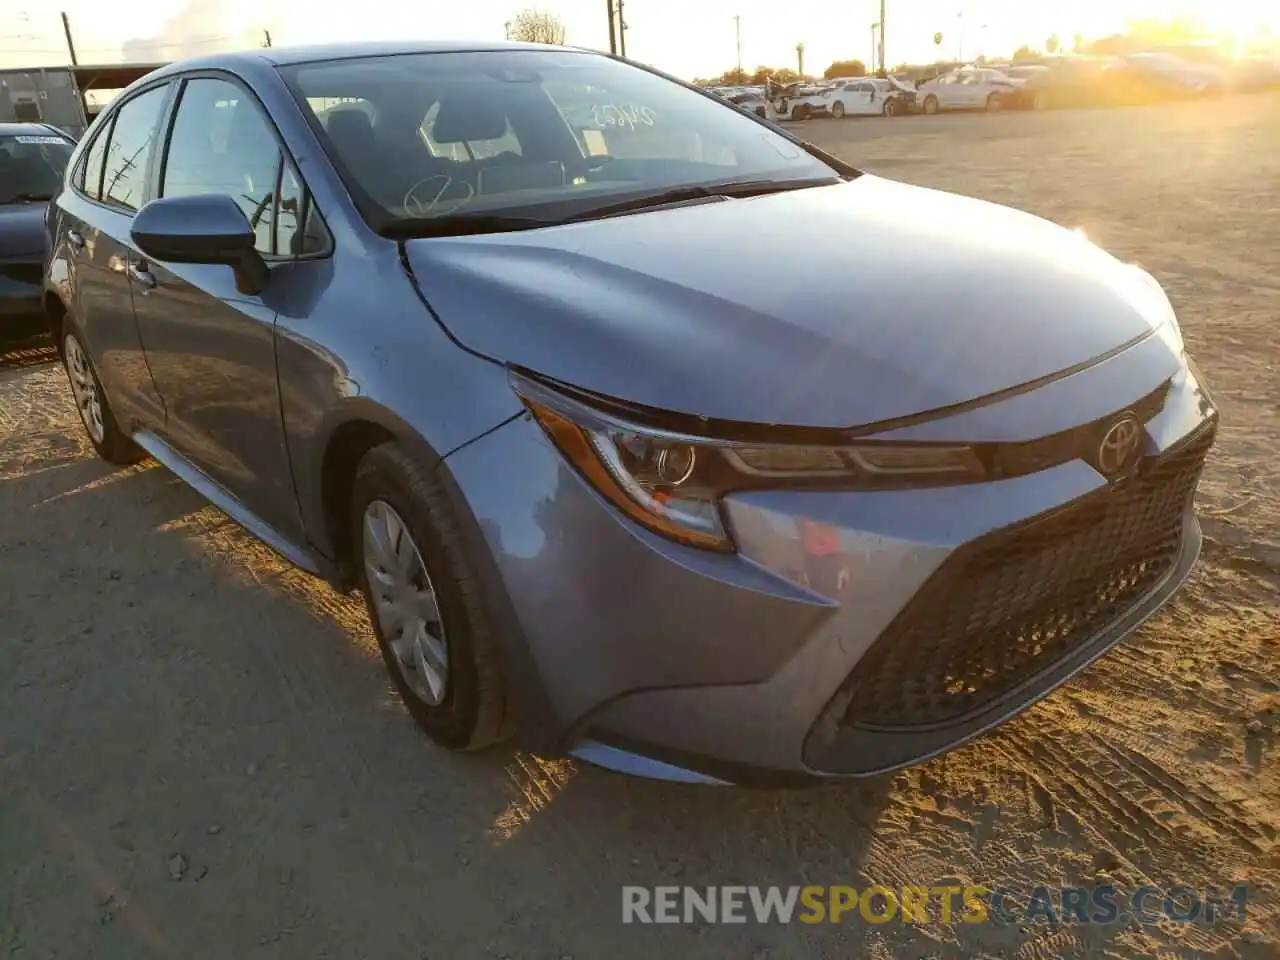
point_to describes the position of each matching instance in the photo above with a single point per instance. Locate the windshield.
(31, 166)
(547, 134)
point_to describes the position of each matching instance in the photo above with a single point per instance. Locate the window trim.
(109, 131)
(82, 163)
(283, 156)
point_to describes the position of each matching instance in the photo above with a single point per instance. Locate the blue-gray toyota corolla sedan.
(649, 431)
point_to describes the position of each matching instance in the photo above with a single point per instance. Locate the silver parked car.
(472, 328)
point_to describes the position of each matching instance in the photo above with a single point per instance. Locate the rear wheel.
(800, 112)
(995, 103)
(424, 601)
(837, 110)
(931, 105)
(890, 108)
(110, 442)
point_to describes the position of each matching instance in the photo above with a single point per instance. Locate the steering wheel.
(425, 208)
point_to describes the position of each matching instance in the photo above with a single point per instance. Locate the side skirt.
(305, 558)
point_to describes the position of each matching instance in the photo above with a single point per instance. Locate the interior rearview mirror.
(209, 228)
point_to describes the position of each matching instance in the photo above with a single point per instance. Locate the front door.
(211, 348)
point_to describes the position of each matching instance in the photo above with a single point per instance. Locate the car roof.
(29, 129)
(286, 56)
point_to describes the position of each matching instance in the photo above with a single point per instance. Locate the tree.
(1116, 45)
(1025, 52)
(1077, 42)
(937, 39)
(845, 68)
(532, 25)
(1052, 44)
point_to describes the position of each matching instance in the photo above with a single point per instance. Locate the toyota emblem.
(1118, 446)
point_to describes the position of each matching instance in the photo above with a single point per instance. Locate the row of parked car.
(1058, 81)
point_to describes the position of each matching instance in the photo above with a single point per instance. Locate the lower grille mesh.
(1013, 603)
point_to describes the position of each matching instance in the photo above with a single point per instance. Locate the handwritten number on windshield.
(629, 116)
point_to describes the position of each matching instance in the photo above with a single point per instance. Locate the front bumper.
(657, 658)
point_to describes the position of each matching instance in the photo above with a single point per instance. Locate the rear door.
(93, 247)
(211, 348)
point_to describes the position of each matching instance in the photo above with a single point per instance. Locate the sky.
(689, 38)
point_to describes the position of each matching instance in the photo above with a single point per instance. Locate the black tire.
(890, 108)
(473, 712)
(114, 445)
(995, 103)
(837, 110)
(931, 105)
(1040, 100)
(800, 112)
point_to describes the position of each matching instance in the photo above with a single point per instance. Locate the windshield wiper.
(458, 225)
(467, 224)
(700, 191)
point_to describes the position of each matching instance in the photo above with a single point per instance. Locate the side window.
(299, 229)
(89, 176)
(222, 143)
(124, 179)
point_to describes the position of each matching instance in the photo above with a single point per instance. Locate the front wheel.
(423, 595)
(930, 105)
(890, 108)
(1041, 100)
(800, 112)
(110, 442)
(837, 110)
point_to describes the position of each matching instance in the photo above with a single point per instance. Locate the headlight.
(673, 483)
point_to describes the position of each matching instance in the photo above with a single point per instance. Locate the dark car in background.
(1070, 81)
(1160, 75)
(33, 157)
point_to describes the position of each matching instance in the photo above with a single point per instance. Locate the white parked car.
(874, 96)
(798, 101)
(969, 88)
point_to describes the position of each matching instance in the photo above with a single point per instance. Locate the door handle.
(76, 240)
(144, 277)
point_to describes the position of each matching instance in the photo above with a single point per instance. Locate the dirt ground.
(200, 755)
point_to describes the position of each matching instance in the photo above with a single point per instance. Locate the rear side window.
(90, 177)
(221, 143)
(124, 179)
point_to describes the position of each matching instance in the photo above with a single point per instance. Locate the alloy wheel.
(84, 388)
(406, 603)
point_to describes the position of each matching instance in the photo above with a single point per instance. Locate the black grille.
(1015, 602)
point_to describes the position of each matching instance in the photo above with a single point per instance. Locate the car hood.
(21, 229)
(828, 307)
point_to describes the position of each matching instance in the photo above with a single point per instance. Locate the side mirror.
(209, 228)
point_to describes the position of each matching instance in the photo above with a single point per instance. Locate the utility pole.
(883, 68)
(800, 58)
(71, 47)
(622, 31)
(613, 29)
(266, 38)
(874, 28)
(737, 25)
